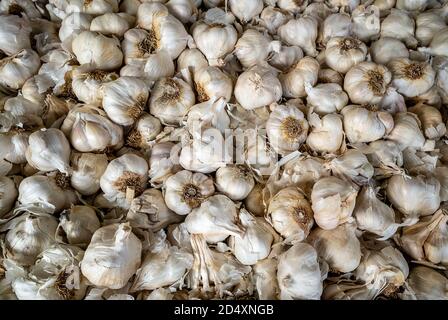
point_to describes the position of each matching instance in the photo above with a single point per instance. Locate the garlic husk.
(112, 23)
(385, 156)
(90, 130)
(366, 22)
(211, 83)
(286, 128)
(352, 166)
(14, 34)
(398, 24)
(16, 153)
(307, 26)
(431, 120)
(426, 284)
(20, 8)
(77, 226)
(326, 133)
(284, 57)
(411, 78)
(333, 201)
(171, 99)
(49, 150)
(96, 7)
(441, 174)
(236, 182)
(17, 68)
(125, 177)
(326, 98)
(72, 25)
(299, 274)
(257, 87)
(406, 132)
(344, 4)
(272, 18)
(342, 53)
(184, 10)
(414, 196)
(8, 195)
(289, 212)
(428, 24)
(339, 247)
(125, 99)
(100, 51)
(216, 216)
(387, 48)
(367, 82)
(319, 10)
(136, 44)
(186, 190)
(384, 6)
(364, 125)
(165, 31)
(294, 80)
(209, 114)
(419, 162)
(328, 75)
(112, 257)
(145, 130)
(253, 48)
(87, 169)
(440, 64)
(335, 25)
(254, 201)
(265, 277)
(162, 165)
(247, 10)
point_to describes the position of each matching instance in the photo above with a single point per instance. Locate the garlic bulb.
(272, 18)
(28, 236)
(124, 178)
(294, 80)
(412, 5)
(426, 284)
(20, 8)
(414, 196)
(165, 31)
(406, 132)
(386, 49)
(209, 114)
(90, 130)
(333, 201)
(286, 128)
(307, 27)
(159, 65)
(72, 25)
(411, 78)
(184, 10)
(335, 25)
(339, 247)
(364, 125)
(8, 195)
(265, 278)
(171, 99)
(112, 23)
(185, 191)
(253, 48)
(136, 44)
(342, 53)
(96, 7)
(385, 156)
(14, 34)
(431, 120)
(326, 98)
(330, 76)
(438, 45)
(215, 36)
(124, 99)
(353, 166)
(149, 211)
(146, 129)
(289, 212)
(191, 59)
(326, 133)
(87, 169)
(427, 25)
(398, 24)
(367, 82)
(52, 193)
(246, 10)
(77, 226)
(94, 48)
(284, 57)
(366, 22)
(212, 83)
(17, 68)
(236, 182)
(441, 174)
(112, 257)
(299, 274)
(161, 163)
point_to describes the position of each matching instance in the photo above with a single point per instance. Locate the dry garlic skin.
(427, 25)
(287, 128)
(306, 70)
(298, 273)
(400, 25)
(273, 18)
(366, 82)
(246, 10)
(290, 214)
(265, 273)
(211, 83)
(16, 69)
(112, 257)
(407, 131)
(186, 190)
(252, 48)
(342, 53)
(87, 169)
(431, 120)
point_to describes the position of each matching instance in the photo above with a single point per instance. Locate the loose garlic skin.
(124, 175)
(120, 256)
(246, 10)
(285, 57)
(342, 53)
(332, 201)
(386, 49)
(49, 150)
(72, 25)
(112, 23)
(87, 169)
(16, 69)
(366, 22)
(236, 182)
(8, 195)
(326, 134)
(326, 98)
(161, 164)
(94, 48)
(307, 27)
(431, 120)
(294, 80)
(286, 128)
(298, 273)
(14, 35)
(289, 212)
(125, 99)
(186, 190)
(265, 274)
(171, 99)
(212, 83)
(366, 83)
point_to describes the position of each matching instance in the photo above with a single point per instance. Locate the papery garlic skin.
(234, 181)
(87, 169)
(14, 34)
(146, 129)
(343, 53)
(326, 98)
(162, 166)
(96, 7)
(16, 69)
(406, 132)
(411, 5)
(112, 257)
(284, 57)
(299, 275)
(335, 25)
(72, 25)
(438, 45)
(352, 166)
(326, 134)
(191, 59)
(8, 194)
(112, 23)
(426, 284)
(265, 274)
(247, 10)
(273, 18)
(366, 22)
(386, 48)
(294, 80)
(411, 78)
(184, 10)
(307, 27)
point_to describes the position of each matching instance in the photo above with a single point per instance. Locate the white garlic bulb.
(209, 114)
(136, 44)
(246, 10)
(414, 196)
(352, 166)
(14, 34)
(211, 83)
(284, 57)
(112, 23)
(339, 247)
(342, 53)
(72, 25)
(332, 201)
(328, 75)
(427, 25)
(112, 257)
(398, 24)
(124, 178)
(307, 28)
(186, 190)
(406, 132)
(87, 169)
(146, 129)
(326, 133)
(265, 278)
(96, 7)
(191, 59)
(426, 284)
(298, 273)
(272, 18)
(412, 5)
(286, 128)
(159, 65)
(16, 69)
(98, 50)
(8, 195)
(411, 78)
(431, 120)
(162, 165)
(386, 48)
(335, 25)
(294, 80)
(234, 181)
(438, 45)
(325, 98)
(254, 201)
(289, 212)
(366, 22)
(184, 10)
(385, 156)
(253, 48)
(366, 82)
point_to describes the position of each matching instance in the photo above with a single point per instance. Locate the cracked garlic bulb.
(307, 27)
(289, 212)
(236, 182)
(326, 133)
(411, 78)
(326, 98)
(294, 80)
(144, 132)
(112, 257)
(342, 53)
(8, 195)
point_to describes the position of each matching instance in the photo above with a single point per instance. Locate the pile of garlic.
(211, 149)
